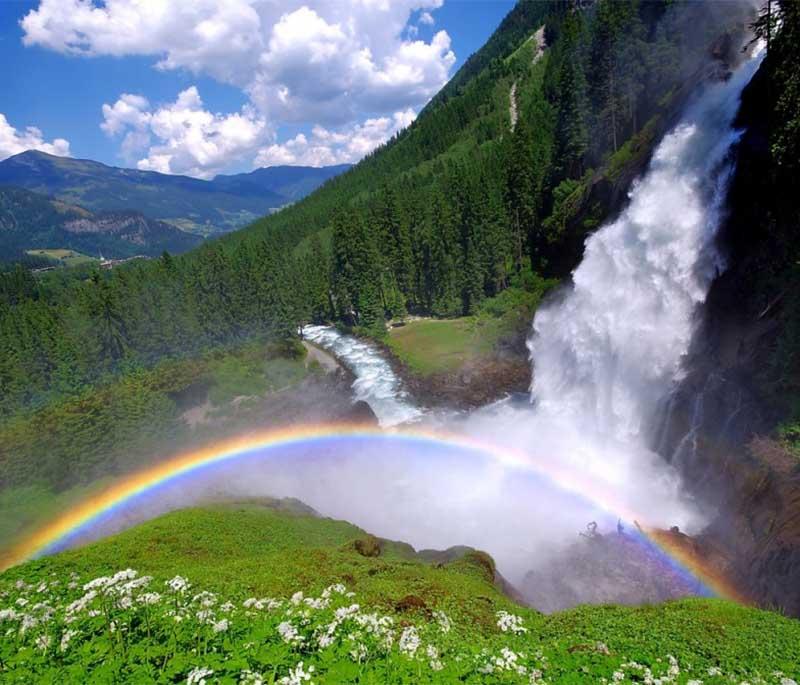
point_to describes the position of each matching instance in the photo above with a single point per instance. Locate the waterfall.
(611, 348)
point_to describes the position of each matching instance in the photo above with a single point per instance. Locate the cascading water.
(375, 382)
(610, 349)
(607, 353)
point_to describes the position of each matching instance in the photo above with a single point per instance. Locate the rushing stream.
(375, 383)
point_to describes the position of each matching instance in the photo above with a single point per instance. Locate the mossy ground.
(255, 549)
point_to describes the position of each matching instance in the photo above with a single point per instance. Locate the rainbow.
(80, 518)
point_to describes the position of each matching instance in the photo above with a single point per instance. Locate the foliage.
(121, 422)
(63, 622)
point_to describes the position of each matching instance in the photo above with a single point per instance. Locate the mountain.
(31, 220)
(290, 182)
(194, 205)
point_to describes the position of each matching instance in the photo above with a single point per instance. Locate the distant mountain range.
(30, 220)
(193, 205)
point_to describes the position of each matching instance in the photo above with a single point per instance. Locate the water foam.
(375, 381)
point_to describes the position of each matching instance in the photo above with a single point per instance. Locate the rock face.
(714, 427)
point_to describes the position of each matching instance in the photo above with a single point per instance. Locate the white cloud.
(324, 147)
(189, 139)
(13, 141)
(329, 61)
(427, 18)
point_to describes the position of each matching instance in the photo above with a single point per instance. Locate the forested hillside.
(30, 220)
(454, 210)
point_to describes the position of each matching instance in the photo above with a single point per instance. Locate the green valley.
(555, 318)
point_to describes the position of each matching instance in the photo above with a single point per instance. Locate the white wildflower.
(289, 633)
(66, 637)
(97, 583)
(251, 678)
(617, 676)
(359, 653)
(42, 587)
(197, 676)
(205, 616)
(297, 675)
(674, 670)
(434, 661)
(510, 622)
(788, 681)
(443, 620)
(178, 584)
(343, 612)
(297, 597)
(149, 598)
(121, 576)
(317, 603)
(714, 670)
(205, 599)
(220, 626)
(21, 602)
(227, 607)
(43, 642)
(409, 641)
(135, 584)
(28, 622)
(8, 615)
(339, 589)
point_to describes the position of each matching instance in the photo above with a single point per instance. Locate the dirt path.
(325, 360)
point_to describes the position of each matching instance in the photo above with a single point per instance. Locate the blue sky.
(225, 85)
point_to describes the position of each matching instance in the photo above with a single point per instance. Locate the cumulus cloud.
(13, 141)
(183, 137)
(329, 61)
(324, 147)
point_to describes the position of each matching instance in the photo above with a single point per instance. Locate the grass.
(275, 549)
(64, 257)
(429, 346)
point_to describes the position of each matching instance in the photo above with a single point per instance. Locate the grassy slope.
(431, 345)
(63, 256)
(249, 549)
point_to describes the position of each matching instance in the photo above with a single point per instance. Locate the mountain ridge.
(193, 205)
(31, 220)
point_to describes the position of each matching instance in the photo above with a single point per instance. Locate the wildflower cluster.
(139, 629)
